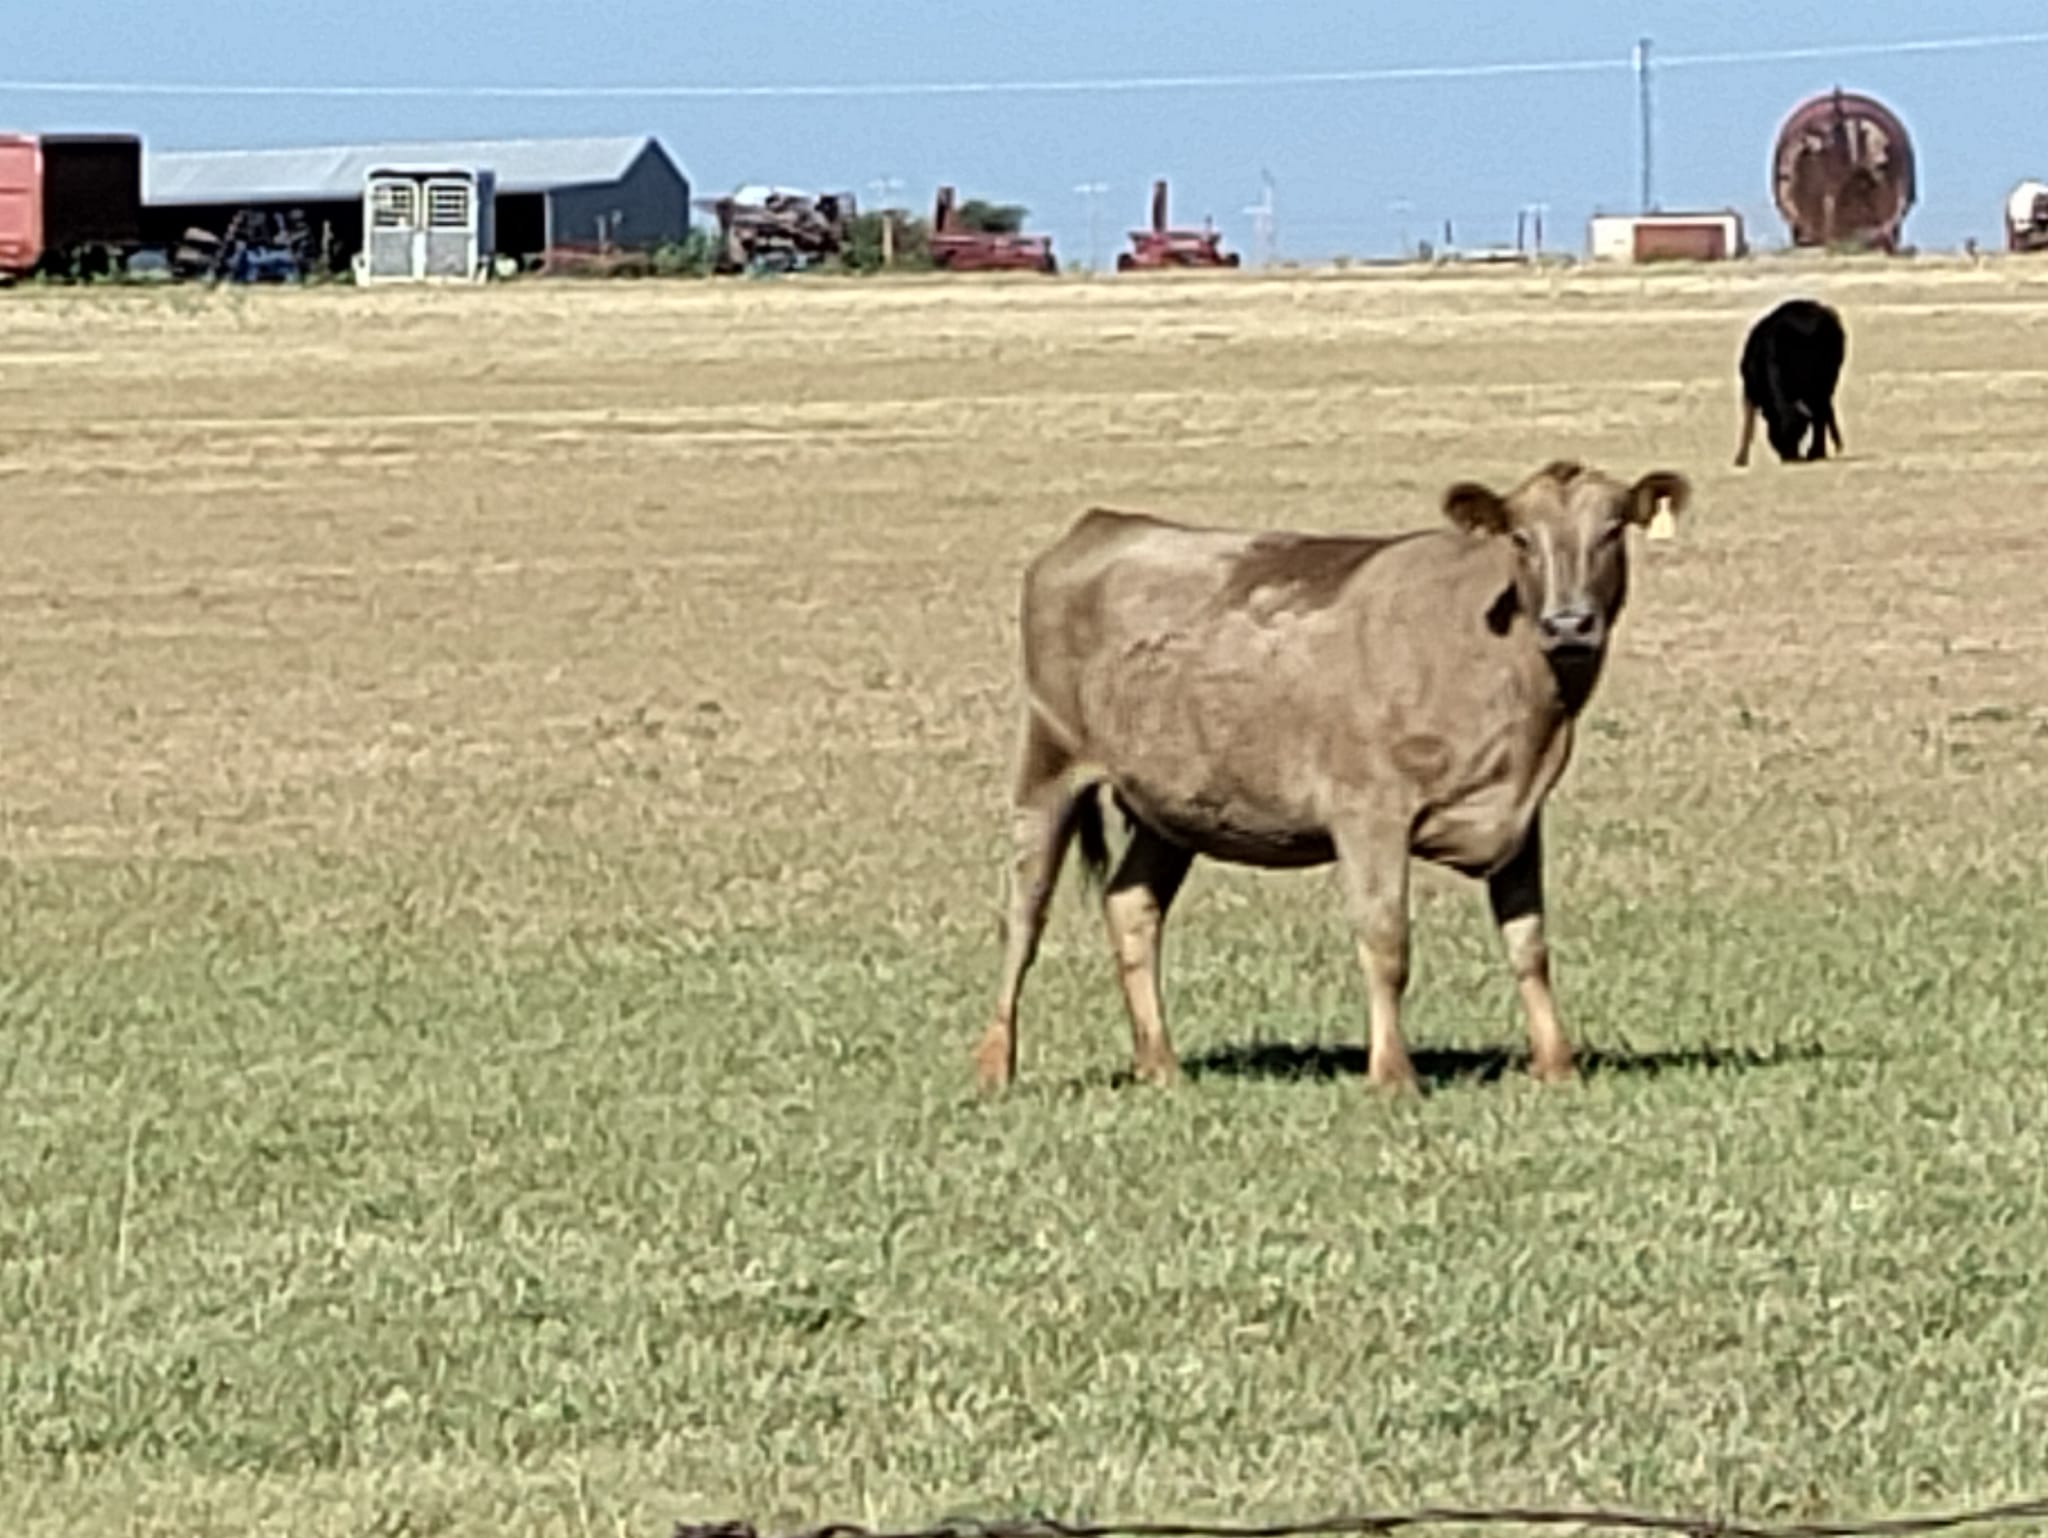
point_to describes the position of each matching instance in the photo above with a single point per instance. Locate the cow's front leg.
(1372, 856)
(1516, 893)
(1748, 433)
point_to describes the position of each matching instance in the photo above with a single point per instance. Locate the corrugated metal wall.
(650, 205)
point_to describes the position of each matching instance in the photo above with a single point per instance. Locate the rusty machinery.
(774, 229)
(1163, 247)
(957, 248)
(1842, 172)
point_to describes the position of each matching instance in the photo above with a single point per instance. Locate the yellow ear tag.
(1662, 525)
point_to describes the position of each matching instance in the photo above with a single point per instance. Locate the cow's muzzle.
(1574, 628)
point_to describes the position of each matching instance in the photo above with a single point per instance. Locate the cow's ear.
(1659, 486)
(1476, 509)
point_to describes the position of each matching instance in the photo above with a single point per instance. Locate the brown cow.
(1283, 700)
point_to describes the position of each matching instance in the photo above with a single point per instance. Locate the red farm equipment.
(957, 248)
(1162, 247)
(70, 204)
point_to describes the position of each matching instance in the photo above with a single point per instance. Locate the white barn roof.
(334, 173)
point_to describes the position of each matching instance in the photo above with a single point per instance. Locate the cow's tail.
(1085, 817)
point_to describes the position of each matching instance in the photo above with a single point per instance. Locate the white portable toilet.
(427, 224)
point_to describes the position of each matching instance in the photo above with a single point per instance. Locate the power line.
(1857, 50)
(1111, 85)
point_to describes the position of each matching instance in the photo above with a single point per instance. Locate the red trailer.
(1162, 247)
(962, 250)
(68, 202)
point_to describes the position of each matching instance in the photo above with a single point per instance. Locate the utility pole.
(1262, 220)
(881, 187)
(1643, 117)
(1093, 192)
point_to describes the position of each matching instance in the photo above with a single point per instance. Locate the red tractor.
(957, 248)
(1162, 247)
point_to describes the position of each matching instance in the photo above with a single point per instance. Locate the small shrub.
(691, 257)
(991, 218)
(912, 240)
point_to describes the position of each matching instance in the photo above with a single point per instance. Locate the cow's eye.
(1520, 538)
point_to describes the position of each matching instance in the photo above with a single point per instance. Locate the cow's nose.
(1577, 625)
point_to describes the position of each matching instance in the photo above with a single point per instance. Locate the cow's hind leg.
(1372, 859)
(1834, 427)
(1516, 894)
(1043, 823)
(1134, 907)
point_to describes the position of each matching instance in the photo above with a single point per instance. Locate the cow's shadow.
(1440, 1066)
(1843, 457)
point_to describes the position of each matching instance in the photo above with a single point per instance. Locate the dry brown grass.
(625, 648)
(339, 567)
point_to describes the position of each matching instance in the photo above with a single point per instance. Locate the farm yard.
(503, 821)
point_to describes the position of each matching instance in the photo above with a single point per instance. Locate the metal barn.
(551, 194)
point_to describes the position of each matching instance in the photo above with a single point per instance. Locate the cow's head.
(1565, 526)
(1787, 428)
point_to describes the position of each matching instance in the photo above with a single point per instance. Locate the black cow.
(1789, 367)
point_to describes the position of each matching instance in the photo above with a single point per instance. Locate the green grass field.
(502, 827)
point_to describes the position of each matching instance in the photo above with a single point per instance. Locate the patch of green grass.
(705, 1223)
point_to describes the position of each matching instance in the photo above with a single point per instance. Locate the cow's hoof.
(1159, 1072)
(1559, 1070)
(1396, 1083)
(995, 1062)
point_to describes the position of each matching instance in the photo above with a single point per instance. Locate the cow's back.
(1795, 352)
(1221, 677)
(1117, 586)
(1122, 585)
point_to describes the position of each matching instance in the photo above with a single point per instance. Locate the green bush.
(863, 251)
(690, 257)
(991, 218)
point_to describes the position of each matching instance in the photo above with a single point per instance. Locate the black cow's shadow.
(1841, 457)
(1439, 1066)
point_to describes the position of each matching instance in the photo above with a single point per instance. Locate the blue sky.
(1355, 165)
